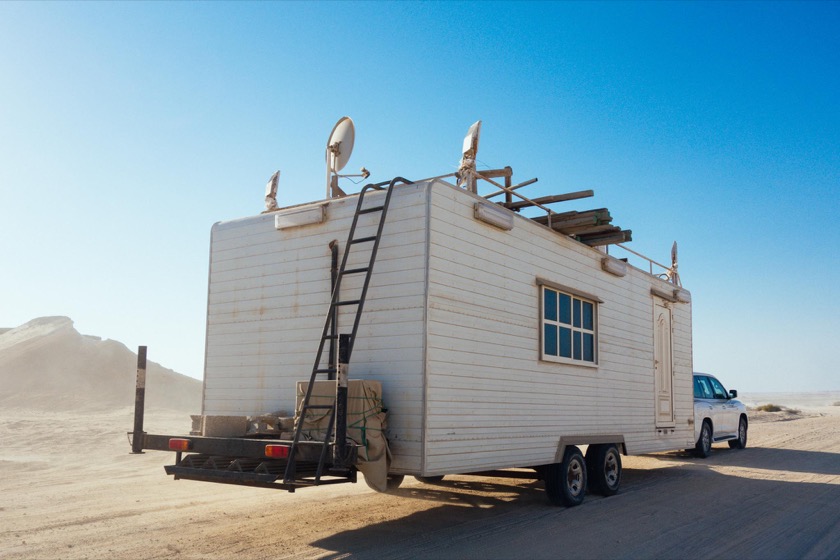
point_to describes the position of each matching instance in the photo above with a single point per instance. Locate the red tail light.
(277, 451)
(180, 444)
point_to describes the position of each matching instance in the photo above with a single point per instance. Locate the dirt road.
(69, 489)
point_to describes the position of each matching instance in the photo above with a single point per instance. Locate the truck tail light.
(277, 451)
(180, 444)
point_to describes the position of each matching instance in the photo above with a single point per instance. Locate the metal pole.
(341, 400)
(139, 402)
(333, 363)
(508, 184)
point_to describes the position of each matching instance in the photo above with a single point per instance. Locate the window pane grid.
(568, 326)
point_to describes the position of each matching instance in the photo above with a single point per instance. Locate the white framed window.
(569, 324)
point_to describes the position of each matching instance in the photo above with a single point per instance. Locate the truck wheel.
(430, 479)
(604, 468)
(703, 447)
(565, 483)
(741, 442)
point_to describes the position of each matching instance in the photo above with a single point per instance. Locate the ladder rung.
(317, 406)
(325, 370)
(356, 270)
(363, 240)
(348, 302)
(371, 209)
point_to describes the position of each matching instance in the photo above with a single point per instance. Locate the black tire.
(741, 442)
(430, 479)
(604, 469)
(703, 447)
(565, 483)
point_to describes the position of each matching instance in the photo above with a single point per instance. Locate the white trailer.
(498, 341)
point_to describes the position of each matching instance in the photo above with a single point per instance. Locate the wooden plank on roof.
(593, 217)
(550, 199)
(495, 173)
(597, 240)
(589, 229)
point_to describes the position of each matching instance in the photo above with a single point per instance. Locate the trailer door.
(663, 365)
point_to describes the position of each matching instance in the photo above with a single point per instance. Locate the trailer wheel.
(603, 468)
(741, 442)
(703, 448)
(430, 479)
(565, 483)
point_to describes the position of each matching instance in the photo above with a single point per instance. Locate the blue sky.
(128, 129)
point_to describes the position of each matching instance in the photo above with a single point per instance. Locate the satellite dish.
(340, 144)
(466, 171)
(339, 148)
(673, 275)
(271, 192)
(471, 141)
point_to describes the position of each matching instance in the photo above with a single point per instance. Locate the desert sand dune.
(52, 366)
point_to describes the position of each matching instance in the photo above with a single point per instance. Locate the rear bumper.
(243, 461)
(240, 447)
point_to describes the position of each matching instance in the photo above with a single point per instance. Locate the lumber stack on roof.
(593, 227)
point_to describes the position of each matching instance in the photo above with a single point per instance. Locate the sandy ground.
(70, 489)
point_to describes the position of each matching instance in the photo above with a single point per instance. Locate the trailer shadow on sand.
(757, 503)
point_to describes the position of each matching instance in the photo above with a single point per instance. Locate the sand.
(69, 488)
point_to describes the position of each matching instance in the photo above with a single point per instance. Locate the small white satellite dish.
(471, 141)
(340, 144)
(673, 275)
(271, 192)
(466, 171)
(339, 148)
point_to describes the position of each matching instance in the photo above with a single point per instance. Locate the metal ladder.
(338, 370)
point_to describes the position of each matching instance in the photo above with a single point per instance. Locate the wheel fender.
(583, 439)
(698, 427)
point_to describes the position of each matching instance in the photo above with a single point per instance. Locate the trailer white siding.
(269, 292)
(491, 400)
